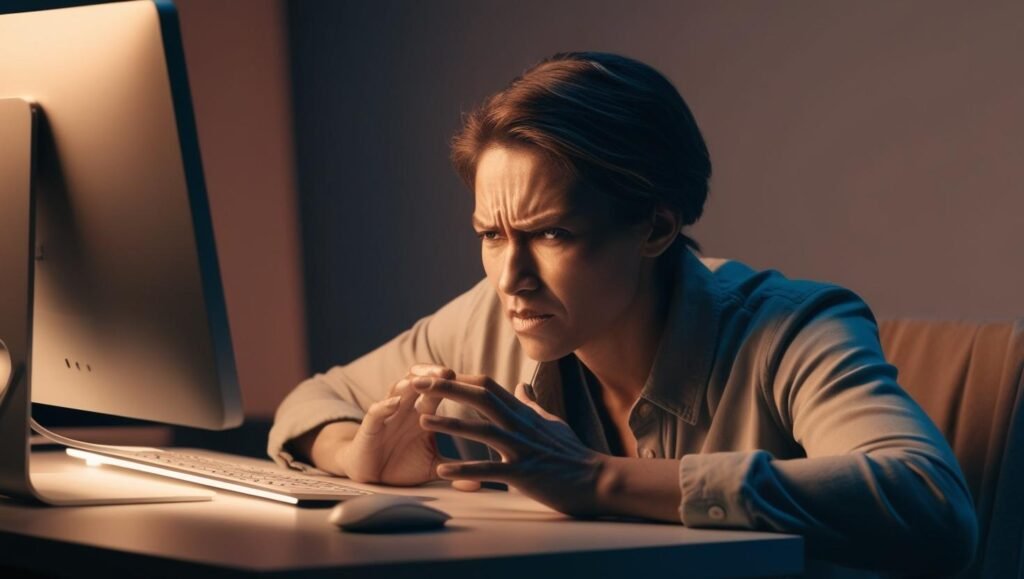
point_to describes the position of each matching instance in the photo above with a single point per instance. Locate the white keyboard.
(266, 481)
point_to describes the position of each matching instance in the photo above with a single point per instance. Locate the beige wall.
(238, 68)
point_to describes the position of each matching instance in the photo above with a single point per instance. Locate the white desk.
(492, 534)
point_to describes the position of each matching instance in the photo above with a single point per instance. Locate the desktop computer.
(110, 293)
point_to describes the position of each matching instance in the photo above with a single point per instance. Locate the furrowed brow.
(532, 223)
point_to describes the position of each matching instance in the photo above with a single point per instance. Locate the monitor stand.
(97, 485)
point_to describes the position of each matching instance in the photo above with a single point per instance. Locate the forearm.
(639, 487)
(894, 510)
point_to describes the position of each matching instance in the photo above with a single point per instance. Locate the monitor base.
(97, 485)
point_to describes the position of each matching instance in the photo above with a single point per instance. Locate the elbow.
(938, 545)
(949, 539)
(950, 534)
(956, 528)
(958, 543)
(939, 532)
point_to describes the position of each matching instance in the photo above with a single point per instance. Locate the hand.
(389, 447)
(541, 455)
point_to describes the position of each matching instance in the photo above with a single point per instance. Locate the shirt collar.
(679, 376)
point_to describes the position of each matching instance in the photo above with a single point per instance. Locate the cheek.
(587, 279)
(491, 261)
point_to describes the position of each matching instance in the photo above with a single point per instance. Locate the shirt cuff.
(713, 488)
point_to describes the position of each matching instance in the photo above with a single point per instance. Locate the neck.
(622, 357)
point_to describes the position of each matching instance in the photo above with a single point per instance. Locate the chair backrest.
(969, 378)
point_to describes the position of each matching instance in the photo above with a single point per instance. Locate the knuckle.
(425, 404)
(401, 386)
(436, 370)
(385, 404)
(489, 396)
(497, 391)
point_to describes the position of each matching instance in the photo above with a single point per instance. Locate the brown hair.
(616, 123)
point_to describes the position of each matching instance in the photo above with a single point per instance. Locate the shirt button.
(716, 513)
(644, 411)
(648, 453)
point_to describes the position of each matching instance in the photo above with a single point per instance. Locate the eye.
(487, 235)
(554, 234)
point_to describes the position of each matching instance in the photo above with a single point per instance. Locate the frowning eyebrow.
(531, 223)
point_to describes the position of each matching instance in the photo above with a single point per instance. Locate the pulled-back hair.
(617, 124)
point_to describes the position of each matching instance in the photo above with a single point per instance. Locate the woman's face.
(566, 275)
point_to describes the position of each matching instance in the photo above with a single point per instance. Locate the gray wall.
(879, 145)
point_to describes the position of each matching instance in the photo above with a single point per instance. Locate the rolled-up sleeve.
(345, 392)
(879, 486)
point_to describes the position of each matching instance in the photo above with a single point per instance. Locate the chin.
(543, 351)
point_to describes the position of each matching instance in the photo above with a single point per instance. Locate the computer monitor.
(115, 305)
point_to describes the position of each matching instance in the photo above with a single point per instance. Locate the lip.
(528, 320)
(526, 313)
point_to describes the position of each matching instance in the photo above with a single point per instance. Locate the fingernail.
(393, 401)
(421, 383)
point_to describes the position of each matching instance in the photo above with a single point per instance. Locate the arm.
(341, 397)
(639, 487)
(324, 444)
(879, 487)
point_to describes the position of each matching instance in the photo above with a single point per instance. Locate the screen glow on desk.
(94, 459)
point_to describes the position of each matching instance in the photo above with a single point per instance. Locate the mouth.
(527, 320)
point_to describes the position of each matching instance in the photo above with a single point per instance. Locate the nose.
(518, 273)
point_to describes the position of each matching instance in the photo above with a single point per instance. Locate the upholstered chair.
(969, 378)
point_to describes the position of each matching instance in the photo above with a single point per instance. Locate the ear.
(665, 226)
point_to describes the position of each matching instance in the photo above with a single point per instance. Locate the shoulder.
(463, 318)
(474, 326)
(480, 299)
(785, 331)
(743, 290)
(770, 316)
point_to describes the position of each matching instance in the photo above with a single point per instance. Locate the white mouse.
(386, 513)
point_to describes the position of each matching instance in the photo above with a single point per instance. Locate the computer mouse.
(386, 514)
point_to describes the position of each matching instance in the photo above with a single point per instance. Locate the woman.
(616, 373)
